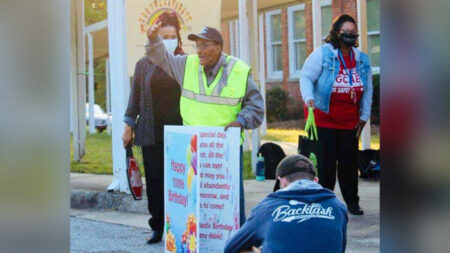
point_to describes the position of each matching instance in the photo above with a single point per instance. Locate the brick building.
(288, 37)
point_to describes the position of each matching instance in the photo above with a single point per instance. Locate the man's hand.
(310, 103)
(127, 136)
(153, 32)
(234, 124)
(359, 127)
(254, 250)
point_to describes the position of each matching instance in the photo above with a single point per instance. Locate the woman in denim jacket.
(336, 80)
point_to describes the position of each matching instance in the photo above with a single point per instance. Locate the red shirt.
(344, 110)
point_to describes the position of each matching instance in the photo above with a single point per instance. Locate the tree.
(94, 11)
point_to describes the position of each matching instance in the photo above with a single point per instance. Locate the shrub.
(375, 117)
(276, 104)
(295, 109)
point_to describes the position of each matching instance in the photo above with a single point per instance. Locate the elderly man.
(217, 89)
(300, 217)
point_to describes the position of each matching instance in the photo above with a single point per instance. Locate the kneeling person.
(300, 217)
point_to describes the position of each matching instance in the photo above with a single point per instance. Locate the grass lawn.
(284, 135)
(98, 158)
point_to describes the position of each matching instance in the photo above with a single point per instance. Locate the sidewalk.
(288, 147)
(89, 200)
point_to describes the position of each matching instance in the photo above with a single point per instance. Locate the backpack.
(369, 164)
(272, 154)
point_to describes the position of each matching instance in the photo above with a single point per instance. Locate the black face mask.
(348, 39)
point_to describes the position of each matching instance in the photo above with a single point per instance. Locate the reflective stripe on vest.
(210, 99)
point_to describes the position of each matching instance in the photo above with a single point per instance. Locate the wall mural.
(155, 8)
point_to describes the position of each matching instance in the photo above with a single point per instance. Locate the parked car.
(100, 117)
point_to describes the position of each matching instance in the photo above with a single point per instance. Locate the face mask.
(348, 39)
(171, 45)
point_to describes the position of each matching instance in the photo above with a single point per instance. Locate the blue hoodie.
(303, 217)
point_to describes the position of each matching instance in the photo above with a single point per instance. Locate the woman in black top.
(154, 102)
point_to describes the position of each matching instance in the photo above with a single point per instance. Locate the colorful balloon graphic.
(188, 154)
(194, 143)
(191, 158)
(190, 177)
(194, 162)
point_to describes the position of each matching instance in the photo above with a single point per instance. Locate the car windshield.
(98, 110)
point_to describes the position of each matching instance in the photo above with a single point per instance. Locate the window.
(326, 18)
(297, 39)
(273, 40)
(373, 33)
(234, 37)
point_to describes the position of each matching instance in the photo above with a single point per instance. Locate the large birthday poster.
(201, 188)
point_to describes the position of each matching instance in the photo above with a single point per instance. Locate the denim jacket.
(321, 69)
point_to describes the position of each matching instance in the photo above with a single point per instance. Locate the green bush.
(375, 117)
(276, 107)
(100, 82)
(295, 110)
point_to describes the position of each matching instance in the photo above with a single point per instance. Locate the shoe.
(355, 209)
(156, 237)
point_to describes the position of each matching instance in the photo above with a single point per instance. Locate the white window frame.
(234, 37)
(293, 73)
(324, 3)
(376, 69)
(271, 74)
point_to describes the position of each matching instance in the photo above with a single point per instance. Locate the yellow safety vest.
(217, 104)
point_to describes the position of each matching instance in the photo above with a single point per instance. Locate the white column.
(78, 79)
(108, 98)
(119, 90)
(362, 27)
(254, 60)
(317, 23)
(91, 83)
(243, 32)
(73, 67)
(252, 13)
(262, 75)
(244, 48)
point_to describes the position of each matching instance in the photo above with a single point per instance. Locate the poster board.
(201, 188)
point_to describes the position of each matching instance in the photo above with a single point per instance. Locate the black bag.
(369, 164)
(309, 145)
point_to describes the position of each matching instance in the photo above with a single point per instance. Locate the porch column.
(363, 45)
(108, 98)
(91, 83)
(262, 72)
(119, 90)
(78, 79)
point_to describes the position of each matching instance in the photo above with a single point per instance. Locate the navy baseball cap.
(208, 33)
(293, 164)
